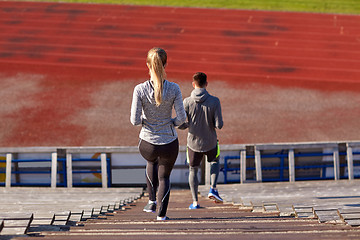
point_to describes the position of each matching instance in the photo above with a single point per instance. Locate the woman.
(151, 107)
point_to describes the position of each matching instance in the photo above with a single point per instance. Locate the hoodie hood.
(199, 94)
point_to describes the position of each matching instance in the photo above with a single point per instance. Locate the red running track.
(75, 48)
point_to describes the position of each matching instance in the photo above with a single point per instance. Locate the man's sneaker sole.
(215, 198)
(192, 207)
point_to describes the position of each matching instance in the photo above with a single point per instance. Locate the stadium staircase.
(211, 221)
(333, 202)
(40, 209)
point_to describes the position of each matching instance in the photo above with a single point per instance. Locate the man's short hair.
(200, 79)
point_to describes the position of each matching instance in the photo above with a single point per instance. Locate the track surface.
(67, 71)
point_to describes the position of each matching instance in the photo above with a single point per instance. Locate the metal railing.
(66, 162)
(290, 151)
(67, 156)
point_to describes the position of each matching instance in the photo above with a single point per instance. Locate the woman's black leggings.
(160, 162)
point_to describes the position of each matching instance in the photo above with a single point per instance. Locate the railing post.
(242, 166)
(53, 169)
(207, 171)
(336, 164)
(104, 175)
(69, 170)
(291, 165)
(350, 162)
(8, 170)
(258, 165)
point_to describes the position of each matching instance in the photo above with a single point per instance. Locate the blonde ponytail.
(156, 59)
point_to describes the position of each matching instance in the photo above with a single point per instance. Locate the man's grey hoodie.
(204, 116)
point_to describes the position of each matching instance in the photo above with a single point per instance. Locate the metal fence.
(295, 161)
(251, 162)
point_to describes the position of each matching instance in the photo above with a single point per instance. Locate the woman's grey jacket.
(157, 124)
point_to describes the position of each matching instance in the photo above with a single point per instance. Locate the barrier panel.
(94, 166)
(305, 161)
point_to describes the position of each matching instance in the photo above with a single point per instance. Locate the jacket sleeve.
(136, 108)
(185, 125)
(218, 116)
(179, 108)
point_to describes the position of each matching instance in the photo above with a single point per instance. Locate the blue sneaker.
(214, 195)
(192, 206)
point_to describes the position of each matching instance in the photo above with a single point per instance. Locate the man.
(203, 117)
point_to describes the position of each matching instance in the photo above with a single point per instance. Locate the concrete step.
(15, 223)
(37, 209)
(1, 224)
(326, 201)
(350, 216)
(303, 211)
(327, 215)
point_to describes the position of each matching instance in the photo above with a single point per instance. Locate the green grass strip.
(319, 6)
